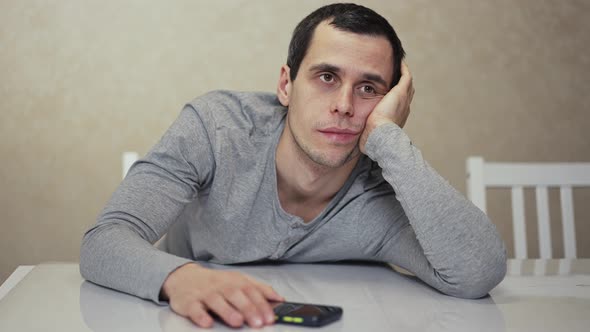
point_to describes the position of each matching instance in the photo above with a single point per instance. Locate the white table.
(537, 295)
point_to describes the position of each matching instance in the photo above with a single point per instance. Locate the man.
(321, 171)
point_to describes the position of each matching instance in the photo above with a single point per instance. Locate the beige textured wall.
(83, 81)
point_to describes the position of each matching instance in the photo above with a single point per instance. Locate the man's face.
(340, 80)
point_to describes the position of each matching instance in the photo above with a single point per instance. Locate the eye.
(368, 89)
(327, 77)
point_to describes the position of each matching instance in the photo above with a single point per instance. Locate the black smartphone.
(305, 314)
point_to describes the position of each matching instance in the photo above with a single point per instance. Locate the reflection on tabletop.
(374, 298)
(545, 295)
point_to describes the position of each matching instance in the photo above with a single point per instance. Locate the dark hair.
(346, 17)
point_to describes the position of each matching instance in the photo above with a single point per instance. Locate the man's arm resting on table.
(117, 252)
(451, 244)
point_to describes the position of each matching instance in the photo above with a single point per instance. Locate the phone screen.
(306, 314)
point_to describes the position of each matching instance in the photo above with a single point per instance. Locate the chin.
(335, 160)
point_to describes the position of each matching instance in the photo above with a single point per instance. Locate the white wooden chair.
(482, 175)
(128, 159)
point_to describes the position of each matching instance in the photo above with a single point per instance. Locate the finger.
(405, 81)
(262, 304)
(198, 315)
(405, 69)
(238, 298)
(268, 292)
(224, 310)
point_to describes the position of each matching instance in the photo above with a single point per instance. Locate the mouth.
(339, 135)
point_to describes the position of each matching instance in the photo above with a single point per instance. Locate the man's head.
(343, 59)
(346, 17)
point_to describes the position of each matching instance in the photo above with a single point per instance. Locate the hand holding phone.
(201, 294)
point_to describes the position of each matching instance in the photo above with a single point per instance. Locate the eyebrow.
(331, 68)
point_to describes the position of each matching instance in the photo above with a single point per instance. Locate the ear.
(284, 86)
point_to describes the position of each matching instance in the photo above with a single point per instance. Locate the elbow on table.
(480, 270)
(84, 269)
(476, 281)
(84, 258)
(89, 254)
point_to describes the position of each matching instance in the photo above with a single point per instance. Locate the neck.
(301, 180)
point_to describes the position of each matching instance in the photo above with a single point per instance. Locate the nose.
(344, 103)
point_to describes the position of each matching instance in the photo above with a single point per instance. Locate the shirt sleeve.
(440, 236)
(118, 252)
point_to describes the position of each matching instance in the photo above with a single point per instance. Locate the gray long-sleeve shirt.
(210, 182)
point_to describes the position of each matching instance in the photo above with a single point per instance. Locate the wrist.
(385, 142)
(373, 124)
(177, 277)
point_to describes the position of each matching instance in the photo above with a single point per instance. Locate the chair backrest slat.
(475, 186)
(520, 248)
(544, 227)
(567, 219)
(128, 159)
